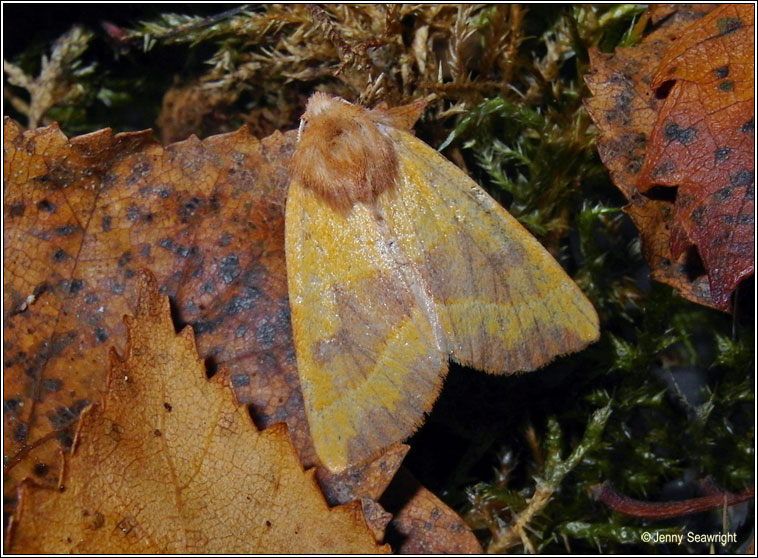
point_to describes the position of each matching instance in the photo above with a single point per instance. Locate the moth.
(397, 262)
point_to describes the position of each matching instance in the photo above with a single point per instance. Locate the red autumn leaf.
(703, 142)
(628, 110)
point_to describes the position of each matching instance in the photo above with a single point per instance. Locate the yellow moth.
(397, 262)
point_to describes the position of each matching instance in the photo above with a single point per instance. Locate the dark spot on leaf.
(20, 432)
(59, 255)
(76, 286)
(240, 331)
(688, 135)
(138, 171)
(65, 230)
(17, 209)
(157, 433)
(66, 438)
(244, 302)
(682, 135)
(189, 208)
(667, 167)
(101, 335)
(255, 275)
(46, 205)
(225, 239)
(623, 106)
(745, 219)
(167, 406)
(52, 384)
(721, 72)
(19, 357)
(33, 371)
(728, 25)
(724, 193)
(205, 326)
(722, 154)
(726, 86)
(125, 258)
(229, 268)
(742, 178)
(89, 298)
(697, 215)
(633, 167)
(65, 416)
(132, 213)
(11, 406)
(40, 469)
(107, 223)
(166, 243)
(266, 335)
(182, 251)
(748, 127)
(240, 380)
(283, 317)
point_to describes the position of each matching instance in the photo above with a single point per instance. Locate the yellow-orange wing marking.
(367, 359)
(505, 304)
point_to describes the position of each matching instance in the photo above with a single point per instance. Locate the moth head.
(343, 152)
(318, 103)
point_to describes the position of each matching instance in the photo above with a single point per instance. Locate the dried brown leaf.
(170, 462)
